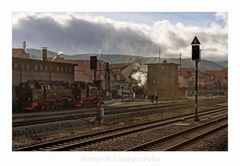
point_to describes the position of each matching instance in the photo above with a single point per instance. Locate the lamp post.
(196, 56)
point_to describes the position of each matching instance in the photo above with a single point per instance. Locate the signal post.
(196, 56)
(93, 66)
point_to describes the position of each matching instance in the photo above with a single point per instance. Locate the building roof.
(119, 65)
(55, 58)
(19, 53)
(161, 64)
(186, 72)
(82, 65)
(120, 76)
(221, 74)
(40, 61)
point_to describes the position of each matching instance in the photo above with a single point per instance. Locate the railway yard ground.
(128, 126)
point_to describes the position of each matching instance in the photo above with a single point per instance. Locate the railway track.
(87, 139)
(177, 140)
(38, 114)
(94, 113)
(108, 111)
(90, 110)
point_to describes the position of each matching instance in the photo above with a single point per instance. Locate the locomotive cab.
(28, 95)
(79, 91)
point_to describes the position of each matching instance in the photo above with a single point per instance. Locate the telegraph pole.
(196, 56)
(107, 80)
(180, 63)
(159, 55)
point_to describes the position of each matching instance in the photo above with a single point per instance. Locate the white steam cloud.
(140, 77)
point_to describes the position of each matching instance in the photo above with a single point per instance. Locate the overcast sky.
(124, 33)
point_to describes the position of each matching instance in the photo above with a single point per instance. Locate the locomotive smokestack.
(44, 54)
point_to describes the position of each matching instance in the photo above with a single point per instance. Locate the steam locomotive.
(46, 95)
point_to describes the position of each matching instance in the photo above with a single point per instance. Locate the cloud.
(81, 33)
(222, 16)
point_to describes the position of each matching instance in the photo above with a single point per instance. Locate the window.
(46, 68)
(27, 66)
(22, 66)
(36, 67)
(15, 65)
(57, 68)
(66, 69)
(70, 69)
(61, 68)
(41, 67)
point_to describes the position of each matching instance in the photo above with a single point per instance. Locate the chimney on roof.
(44, 54)
(24, 44)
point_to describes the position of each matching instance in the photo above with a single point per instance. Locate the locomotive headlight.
(29, 98)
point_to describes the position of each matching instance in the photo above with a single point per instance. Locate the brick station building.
(24, 69)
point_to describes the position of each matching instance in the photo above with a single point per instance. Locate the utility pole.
(159, 54)
(180, 63)
(196, 56)
(107, 80)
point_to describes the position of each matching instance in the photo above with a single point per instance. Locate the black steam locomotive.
(46, 95)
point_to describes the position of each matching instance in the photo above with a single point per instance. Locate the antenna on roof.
(99, 53)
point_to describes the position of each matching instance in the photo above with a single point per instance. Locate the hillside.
(116, 58)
